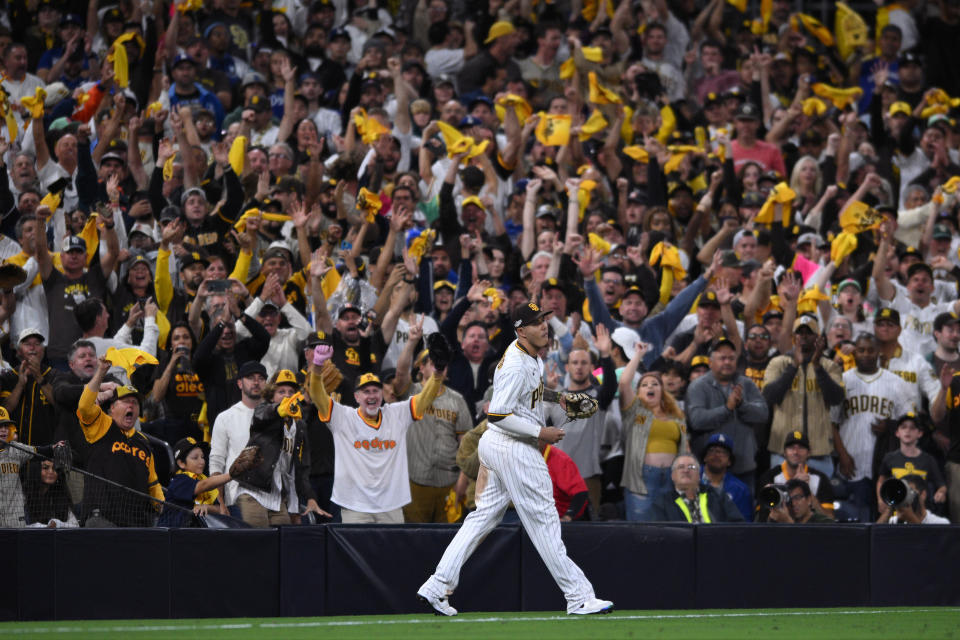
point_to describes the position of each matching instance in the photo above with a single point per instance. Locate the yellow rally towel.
(843, 245)
(668, 124)
(458, 143)
(168, 169)
(599, 94)
(118, 56)
(668, 257)
(809, 299)
(52, 200)
(370, 203)
(840, 98)
(34, 103)
(677, 154)
(593, 54)
(567, 69)
(781, 194)
(859, 217)
(766, 12)
(12, 129)
(91, 235)
(583, 195)
(418, 245)
(595, 123)
(814, 107)
(813, 27)
(241, 224)
(849, 29)
(638, 153)
(553, 130)
(370, 129)
(191, 5)
(494, 296)
(519, 104)
(238, 154)
(129, 358)
(598, 243)
(739, 5)
(592, 7)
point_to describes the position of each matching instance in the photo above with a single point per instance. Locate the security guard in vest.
(691, 501)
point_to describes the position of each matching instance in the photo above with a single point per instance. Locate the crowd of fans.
(222, 220)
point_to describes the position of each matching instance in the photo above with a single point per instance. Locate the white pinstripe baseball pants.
(516, 471)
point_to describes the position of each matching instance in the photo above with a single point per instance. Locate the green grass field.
(933, 622)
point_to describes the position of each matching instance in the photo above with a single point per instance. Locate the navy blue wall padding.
(760, 565)
(36, 572)
(9, 587)
(303, 575)
(911, 569)
(240, 566)
(615, 558)
(111, 573)
(71, 574)
(378, 569)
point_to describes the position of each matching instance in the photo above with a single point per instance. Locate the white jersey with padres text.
(869, 397)
(517, 387)
(370, 457)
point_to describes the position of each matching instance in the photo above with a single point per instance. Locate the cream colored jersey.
(518, 387)
(370, 466)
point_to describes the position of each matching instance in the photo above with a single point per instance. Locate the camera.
(898, 493)
(773, 496)
(182, 349)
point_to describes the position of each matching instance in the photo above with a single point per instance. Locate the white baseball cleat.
(441, 606)
(593, 605)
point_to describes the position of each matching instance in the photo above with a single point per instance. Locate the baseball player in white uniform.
(872, 394)
(371, 480)
(513, 469)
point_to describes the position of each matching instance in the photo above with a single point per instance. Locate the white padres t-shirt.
(370, 458)
(518, 387)
(400, 338)
(869, 397)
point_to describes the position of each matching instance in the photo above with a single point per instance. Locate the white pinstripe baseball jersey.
(518, 387)
(869, 397)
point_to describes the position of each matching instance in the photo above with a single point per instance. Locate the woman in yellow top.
(654, 433)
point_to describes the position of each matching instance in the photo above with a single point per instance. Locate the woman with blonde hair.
(806, 180)
(654, 434)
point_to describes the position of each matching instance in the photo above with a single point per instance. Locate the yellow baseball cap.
(368, 378)
(5, 417)
(444, 284)
(285, 376)
(498, 29)
(898, 108)
(473, 200)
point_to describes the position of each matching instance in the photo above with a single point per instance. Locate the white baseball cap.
(30, 331)
(627, 339)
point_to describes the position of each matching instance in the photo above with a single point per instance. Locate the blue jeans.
(823, 464)
(658, 481)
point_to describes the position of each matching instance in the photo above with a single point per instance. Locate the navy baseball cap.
(180, 59)
(720, 440)
(470, 121)
(75, 243)
(252, 367)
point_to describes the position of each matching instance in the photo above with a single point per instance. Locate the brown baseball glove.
(249, 458)
(579, 405)
(330, 375)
